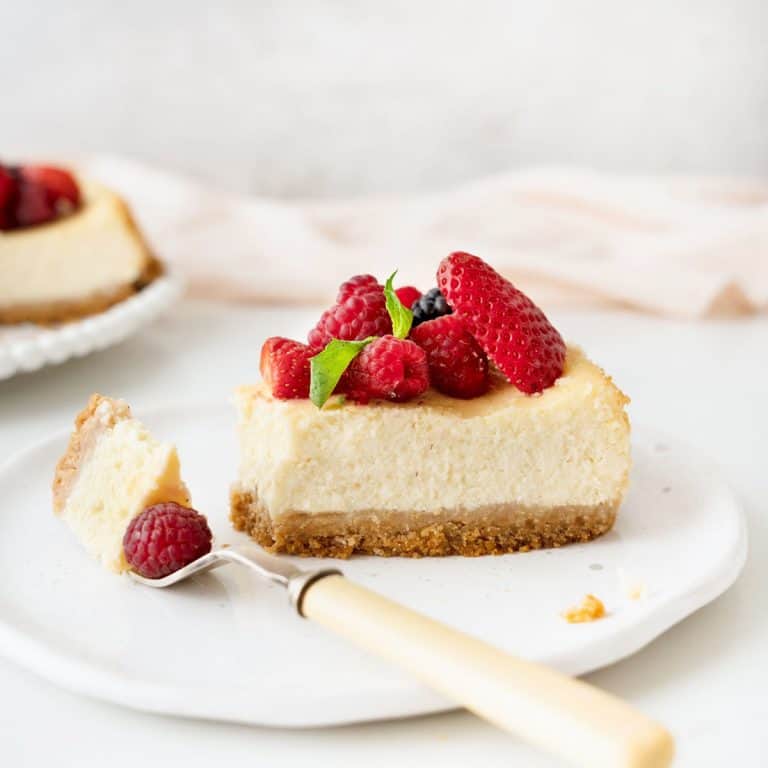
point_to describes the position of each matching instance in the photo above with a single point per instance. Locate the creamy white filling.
(90, 252)
(567, 446)
(125, 471)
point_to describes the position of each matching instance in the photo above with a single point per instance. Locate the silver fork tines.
(267, 567)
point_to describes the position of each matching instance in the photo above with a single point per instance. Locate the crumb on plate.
(591, 609)
(631, 588)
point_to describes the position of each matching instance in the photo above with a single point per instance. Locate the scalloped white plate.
(227, 646)
(29, 347)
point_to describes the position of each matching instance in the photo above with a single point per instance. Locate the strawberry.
(510, 328)
(285, 367)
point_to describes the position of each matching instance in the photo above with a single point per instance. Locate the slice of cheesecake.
(468, 428)
(111, 471)
(437, 475)
(73, 265)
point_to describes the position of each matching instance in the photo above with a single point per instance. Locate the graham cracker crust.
(494, 530)
(52, 312)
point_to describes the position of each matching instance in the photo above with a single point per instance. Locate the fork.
(557, 713)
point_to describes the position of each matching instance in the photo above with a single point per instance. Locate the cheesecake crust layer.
(52, 312)
(493, 530)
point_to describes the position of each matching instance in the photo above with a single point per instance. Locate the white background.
(705, 679)
(339, 97)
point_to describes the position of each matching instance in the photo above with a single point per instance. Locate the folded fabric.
(677, 246)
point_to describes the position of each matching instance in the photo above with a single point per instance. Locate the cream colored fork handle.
(557, 713)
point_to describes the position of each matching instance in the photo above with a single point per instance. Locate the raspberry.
(511, 329)
(358, 284)
(408, 295)
(60, 186)
(457, 365)
(164, 538)
(360, 314)
(285, 367)
(429, 306)
(387, 369)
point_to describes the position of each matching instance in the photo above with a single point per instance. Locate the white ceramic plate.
(226, 646)
(29, 347)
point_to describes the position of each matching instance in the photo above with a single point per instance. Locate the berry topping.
(429, 306)
(59, 184)
(357, 284)
(33, 204)
(457, 365)
(387, 369)
(8, 192)
(35, 194)
(408, 295)
(511, 329)
(164, 538)
(285, 367)
(360, 312)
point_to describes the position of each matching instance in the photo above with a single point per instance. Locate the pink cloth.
(677, 246)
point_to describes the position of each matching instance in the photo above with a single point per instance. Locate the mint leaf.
(327, 367)
(402, 317)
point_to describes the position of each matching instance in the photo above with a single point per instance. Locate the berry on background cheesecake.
(121, 492)
(462, 425)
(68, 247)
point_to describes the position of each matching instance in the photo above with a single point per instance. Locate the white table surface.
(707, 678)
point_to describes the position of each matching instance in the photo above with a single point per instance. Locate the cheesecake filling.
(112, 472)
(567, 447)
(95, 252)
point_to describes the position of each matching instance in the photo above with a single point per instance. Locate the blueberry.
(431, 305)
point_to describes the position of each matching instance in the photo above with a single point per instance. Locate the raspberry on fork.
(285, 367)
(457, 365)
(387, 369)
(511, 329)
(164, 538)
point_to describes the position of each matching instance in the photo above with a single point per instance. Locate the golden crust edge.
(433, 536)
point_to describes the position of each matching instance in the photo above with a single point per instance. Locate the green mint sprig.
(402, 317)
(327, 367)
